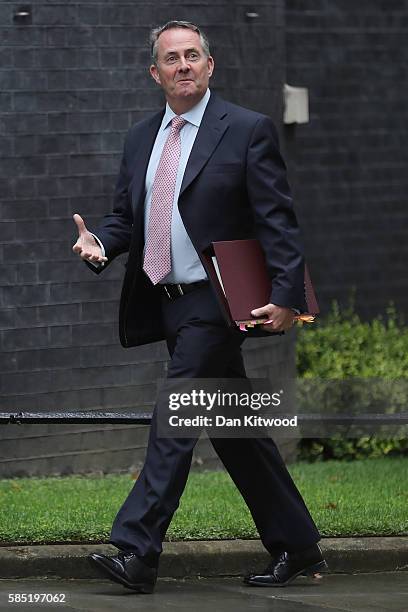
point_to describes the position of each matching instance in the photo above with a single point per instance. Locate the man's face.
(182, 70)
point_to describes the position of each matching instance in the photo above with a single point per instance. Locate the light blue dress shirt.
(186, 266)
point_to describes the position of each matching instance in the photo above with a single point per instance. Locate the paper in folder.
(240, 277)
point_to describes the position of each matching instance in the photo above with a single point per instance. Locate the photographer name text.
(222, 421)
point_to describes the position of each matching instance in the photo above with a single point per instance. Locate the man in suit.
(199, 171)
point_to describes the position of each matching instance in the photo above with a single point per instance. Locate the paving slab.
(381, 592)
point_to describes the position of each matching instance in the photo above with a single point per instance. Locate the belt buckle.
(180, 289)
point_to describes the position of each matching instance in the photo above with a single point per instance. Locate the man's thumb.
(80, 224)
(257, 312)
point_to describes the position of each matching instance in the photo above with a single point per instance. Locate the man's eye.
(193, 55)
(171, 59)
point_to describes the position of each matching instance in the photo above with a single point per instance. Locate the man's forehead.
(177, 39)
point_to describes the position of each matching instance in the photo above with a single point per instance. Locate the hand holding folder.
(238, 272)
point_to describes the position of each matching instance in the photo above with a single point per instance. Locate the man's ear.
(210, 64)
(155, 73)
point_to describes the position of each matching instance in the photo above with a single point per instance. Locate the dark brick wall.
(72, 82)
(349, 163)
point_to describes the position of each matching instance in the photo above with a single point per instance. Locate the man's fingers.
(275, 326)
(92, 257)
(271, 326)
(97, 258)
(79, 222)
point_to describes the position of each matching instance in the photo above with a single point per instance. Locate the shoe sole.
(108, 573)
(317, 568)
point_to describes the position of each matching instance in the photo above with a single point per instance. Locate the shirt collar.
(194, 115)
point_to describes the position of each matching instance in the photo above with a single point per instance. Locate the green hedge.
(342, 346)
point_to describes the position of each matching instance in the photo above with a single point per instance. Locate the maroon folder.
(240, 277)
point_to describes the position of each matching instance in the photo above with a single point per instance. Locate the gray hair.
(155, 33)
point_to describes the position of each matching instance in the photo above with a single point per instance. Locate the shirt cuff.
(102, 263)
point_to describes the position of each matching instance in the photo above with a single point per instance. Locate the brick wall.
(348, 164)
(73, 78)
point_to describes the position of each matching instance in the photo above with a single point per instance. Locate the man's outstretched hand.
(86, 246)
(279, 317)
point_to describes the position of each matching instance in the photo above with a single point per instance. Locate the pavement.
(379, 592)
(365, 574)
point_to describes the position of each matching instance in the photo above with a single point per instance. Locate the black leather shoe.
(127, 569)
(286, 566)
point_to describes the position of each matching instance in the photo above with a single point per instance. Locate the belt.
(175, 291)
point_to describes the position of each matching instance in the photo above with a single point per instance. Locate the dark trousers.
(201, 346)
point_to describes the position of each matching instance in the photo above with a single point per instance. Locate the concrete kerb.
(204, 558)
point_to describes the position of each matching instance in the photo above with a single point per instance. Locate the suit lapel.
(212, 128)
(141, 158)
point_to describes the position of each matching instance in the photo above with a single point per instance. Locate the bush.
(342, 347)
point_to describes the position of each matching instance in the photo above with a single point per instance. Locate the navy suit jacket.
(234, 187)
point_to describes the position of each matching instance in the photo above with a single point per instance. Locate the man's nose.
(184, 65)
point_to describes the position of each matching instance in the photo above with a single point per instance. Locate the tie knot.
(177, 123)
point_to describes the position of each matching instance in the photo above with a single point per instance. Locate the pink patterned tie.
(157, 261)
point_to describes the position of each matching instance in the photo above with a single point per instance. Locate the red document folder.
(239, 274)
